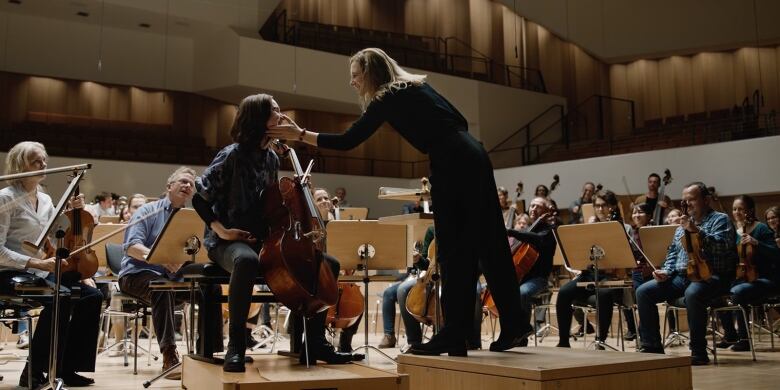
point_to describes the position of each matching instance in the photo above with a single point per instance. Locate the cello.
(293, 253)
(348, 308)
(421, 301)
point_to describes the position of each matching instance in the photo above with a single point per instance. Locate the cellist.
(541, 238)
(754, 239)
(228, 198)
(671, 281)
(24, 212)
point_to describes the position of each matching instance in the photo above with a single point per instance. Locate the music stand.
(367, 244)
(603, 245)
(656, 241)
(179, 242)
(100, 248)
(587, 212)
(353, 213)
(108, 219)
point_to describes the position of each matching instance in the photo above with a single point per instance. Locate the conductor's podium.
(283, 373)
(547, 369)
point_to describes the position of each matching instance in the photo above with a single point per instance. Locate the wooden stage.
(545, 368)
(284, 373)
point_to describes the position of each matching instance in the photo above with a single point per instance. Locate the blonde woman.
(462, 177)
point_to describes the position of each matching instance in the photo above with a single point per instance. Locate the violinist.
(103, 205)
(673, 216)
(24, 213)
(651, 197)
(542, 239)
(671, 280)
(507, 208)
(640, 214)
(229, 199)
(587, 197)
(605, 206)
(765, 257)
(523, 222)
(772, 217)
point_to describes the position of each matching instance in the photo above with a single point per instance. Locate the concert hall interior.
(299, 194)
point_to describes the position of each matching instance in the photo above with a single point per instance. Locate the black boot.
(234, 357)
(443, 342)
(37, 379)
(508, 339)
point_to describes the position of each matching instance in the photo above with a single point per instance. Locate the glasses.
(599, 205)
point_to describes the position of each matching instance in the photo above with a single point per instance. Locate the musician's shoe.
(170, 359)
(580, 330)
(24, 340)
(325, 352)
(725, 343)
(508, 340)
(474, 344)
(388, 341)
(741, 346)
(345, 342)
(441, 343)
(629, 336)
(37, 379)
(75, 380)
(700, 360)
(562, 344)
(251, 342)
(234, 362)
(646, 349)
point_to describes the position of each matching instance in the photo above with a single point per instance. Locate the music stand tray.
(353, 213)
(656, 241)
(183, 229)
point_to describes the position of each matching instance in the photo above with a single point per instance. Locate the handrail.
(526, 126)
(462, 42)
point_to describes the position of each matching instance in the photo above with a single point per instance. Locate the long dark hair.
(249, 126)
(611, 200)
(750, 207)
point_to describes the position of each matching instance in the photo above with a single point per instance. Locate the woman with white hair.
(469, 224)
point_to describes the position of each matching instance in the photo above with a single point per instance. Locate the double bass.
(661, 195)
(293, 253)
(698, 269)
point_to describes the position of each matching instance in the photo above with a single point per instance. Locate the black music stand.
(602, 245)
(179, 242)
(365, 245)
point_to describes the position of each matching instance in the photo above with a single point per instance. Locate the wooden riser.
(284, 373)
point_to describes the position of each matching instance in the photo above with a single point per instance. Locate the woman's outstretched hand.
(286, 130)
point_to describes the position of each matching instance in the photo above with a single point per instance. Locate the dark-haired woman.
(228, 199)
(766, 258)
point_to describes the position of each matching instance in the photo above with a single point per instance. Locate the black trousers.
(470, 231)
(241, 260)
(79, 320)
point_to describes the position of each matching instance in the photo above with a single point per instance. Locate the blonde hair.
(180, 171)
(382, 74)
(16, 160)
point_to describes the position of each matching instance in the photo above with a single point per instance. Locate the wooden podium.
(545, 368)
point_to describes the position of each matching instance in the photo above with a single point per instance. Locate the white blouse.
(19, 222)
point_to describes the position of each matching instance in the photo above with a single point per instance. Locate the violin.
(293, 253)
(421, 301)
(698, 269)
(746, 269)
(348, 308)
(77, 236)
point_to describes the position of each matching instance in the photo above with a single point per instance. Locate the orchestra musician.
(508, 209)
(229, 200)
(24, 212)
(605, 206)
(468, 218)
(543, 240)
(640, 214)
(765, 257)
(772, 217)
(673, 216)
(671, 281)
(587, 197)
(651, 197)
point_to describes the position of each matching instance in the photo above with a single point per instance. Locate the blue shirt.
(718, 240)
(145, 233)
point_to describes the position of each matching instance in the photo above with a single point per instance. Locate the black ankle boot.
(441, 343)
(234, 359)
(509, 339)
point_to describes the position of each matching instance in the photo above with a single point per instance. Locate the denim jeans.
(397, 293)
(744, 293)
(697, 297)
(528, 289)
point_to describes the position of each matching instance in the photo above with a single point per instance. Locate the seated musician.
(228, 199)
(673, 217)
(541, 239)
(137, 274)
(605, 206)
(507, 209)
(766, 258)
(522, 222)
(24, 213)
(640, 214)
(576, 207)
(718, 241)
(651, 197)
(772, 217)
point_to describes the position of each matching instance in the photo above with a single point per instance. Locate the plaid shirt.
(718, 240)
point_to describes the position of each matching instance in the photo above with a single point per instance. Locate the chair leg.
(714, 321)
(749, 332)
(621, 340)
(135, 344)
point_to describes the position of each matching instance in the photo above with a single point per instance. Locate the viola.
(78, 234)
(293, 253)
(348, 308)
(698, 269)
(746, 269)
(421, 301)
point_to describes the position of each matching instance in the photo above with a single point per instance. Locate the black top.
(544, 242)
(417, 112)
